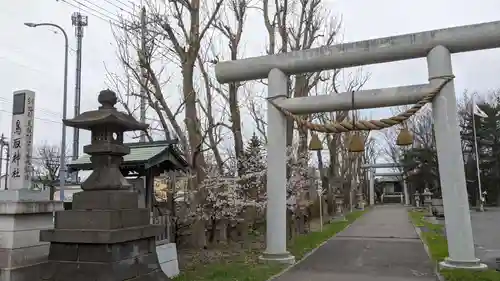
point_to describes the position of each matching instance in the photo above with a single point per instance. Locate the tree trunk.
(52, 190)
(197, 160)
(301, 90)
(236, 123)
(235, 111)
(332, 175)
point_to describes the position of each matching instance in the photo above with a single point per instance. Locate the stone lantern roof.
(106, 115)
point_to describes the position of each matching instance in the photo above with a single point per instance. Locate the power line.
(94, 10)
(122, 9)
(98, 7)
(72, 51)
(115, 20)
(125, 24)
(121, 2)
(6, 100)
(38, 118)
(112, 22)
(53, 113)
(44, 72)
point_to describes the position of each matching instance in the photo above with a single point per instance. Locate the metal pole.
(79, 21)
(7, 162)
(143, 74)
(478, 171)
(1, 156)
(62, 168)
(320, 193)
(62, 161)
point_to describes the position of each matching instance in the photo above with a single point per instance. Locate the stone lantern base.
(106, 237)
(22, 214)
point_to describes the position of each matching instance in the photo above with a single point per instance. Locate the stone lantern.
(361, 201)
(417, 199)
(339, 202)
(427, 199)
(106, 236)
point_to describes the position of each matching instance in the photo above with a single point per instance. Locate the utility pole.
(79, 21)
(2, 144)
(143, 73)
(7, 161)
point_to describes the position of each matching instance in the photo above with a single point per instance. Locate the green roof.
(141, 154)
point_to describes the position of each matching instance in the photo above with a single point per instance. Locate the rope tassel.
(364, 125)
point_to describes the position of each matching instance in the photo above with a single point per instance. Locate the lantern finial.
(107, 98)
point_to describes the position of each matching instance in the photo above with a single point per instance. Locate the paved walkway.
(380, 246)
(486, 230)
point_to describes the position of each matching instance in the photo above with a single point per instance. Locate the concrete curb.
(315, 249)
(438, 275)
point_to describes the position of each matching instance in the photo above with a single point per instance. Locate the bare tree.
(420, 125)
(46, 166)
(300, 25)
(238, 10)
(339, 160)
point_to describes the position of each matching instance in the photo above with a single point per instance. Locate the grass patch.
(303, 244)
(432, 235)
(247, 267)
(241, 269)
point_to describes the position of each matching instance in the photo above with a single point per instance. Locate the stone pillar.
(106, 236)
(276, 212)
(339, 202)
(21, 141)
(406, 193)
(360, 199)
(428, 200)
(417, 199)
(451, 165)
(372, 187)
(23, 213)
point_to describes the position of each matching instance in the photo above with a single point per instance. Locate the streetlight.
(62, 168)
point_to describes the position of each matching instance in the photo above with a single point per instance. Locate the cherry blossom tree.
(298, 164)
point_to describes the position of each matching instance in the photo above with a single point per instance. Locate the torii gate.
(406, 196)
(437, 46)
(372, 174)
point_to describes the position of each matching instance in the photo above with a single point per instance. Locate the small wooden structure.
(146, 161)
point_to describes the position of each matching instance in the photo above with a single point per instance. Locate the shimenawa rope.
(364, 125)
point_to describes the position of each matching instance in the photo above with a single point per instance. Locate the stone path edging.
(315, 249)
(438, 275)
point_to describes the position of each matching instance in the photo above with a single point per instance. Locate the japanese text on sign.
(29, 138)
(21, 142)
(16, 152)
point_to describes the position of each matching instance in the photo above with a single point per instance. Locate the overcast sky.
(32, 58)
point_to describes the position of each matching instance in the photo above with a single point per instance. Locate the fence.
(162, 217)
(394, 197)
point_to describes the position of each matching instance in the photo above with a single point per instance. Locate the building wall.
(388, 187)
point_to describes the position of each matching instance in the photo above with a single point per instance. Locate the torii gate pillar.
(451, 167)
(276, 181)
